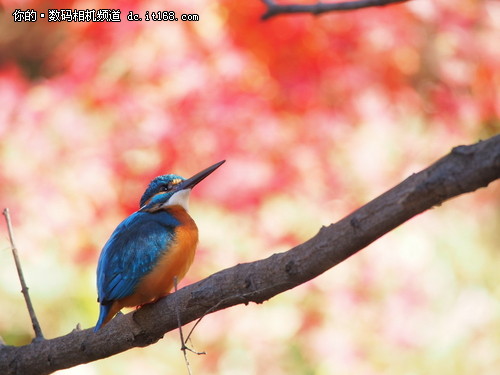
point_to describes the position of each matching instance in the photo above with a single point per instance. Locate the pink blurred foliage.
(329, 110)
(278, 99)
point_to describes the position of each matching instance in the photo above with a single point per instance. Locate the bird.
(150, 250)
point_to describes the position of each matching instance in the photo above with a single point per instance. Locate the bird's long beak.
(191, 182)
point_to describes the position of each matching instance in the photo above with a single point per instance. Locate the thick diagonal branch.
(465, 169)
(274, 9)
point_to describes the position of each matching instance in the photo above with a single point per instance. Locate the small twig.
(24, 288)
(274, 9)
(212, 309)
(244, 297)
(184, 347)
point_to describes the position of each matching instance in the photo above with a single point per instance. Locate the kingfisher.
(151, 249)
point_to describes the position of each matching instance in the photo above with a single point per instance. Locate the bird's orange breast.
(173, 264)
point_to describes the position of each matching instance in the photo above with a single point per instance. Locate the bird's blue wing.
(131, 253)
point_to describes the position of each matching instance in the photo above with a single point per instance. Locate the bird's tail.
(103, 314)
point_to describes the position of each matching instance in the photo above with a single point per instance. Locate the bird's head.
(171, 189)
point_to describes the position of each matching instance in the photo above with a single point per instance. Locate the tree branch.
(274, 9)
(24, 287)
(465, 169)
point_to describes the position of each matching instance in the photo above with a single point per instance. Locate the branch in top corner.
(274, 9)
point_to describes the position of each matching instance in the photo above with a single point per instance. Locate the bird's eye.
(171, 184)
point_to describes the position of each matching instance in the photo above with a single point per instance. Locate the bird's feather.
(131, 252)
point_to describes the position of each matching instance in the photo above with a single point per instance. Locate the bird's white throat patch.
(180, 198)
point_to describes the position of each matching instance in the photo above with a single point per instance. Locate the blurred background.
(316, 116)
